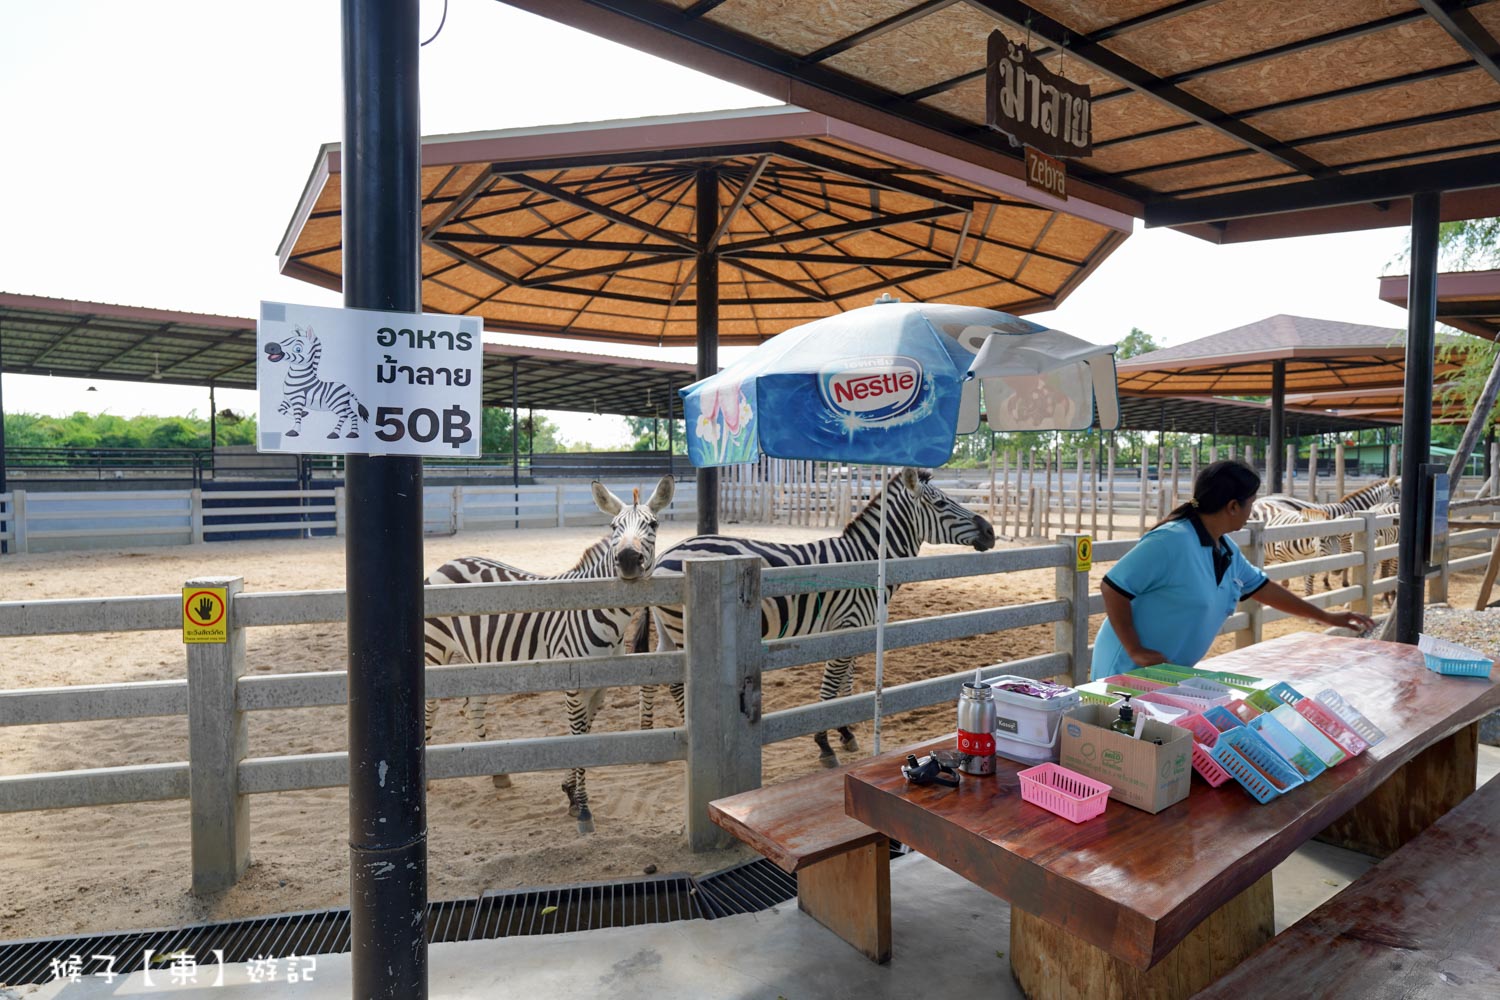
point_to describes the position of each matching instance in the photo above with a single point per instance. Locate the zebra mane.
(590, 563)
(1369, 488)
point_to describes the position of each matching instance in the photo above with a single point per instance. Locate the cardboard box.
(1138, 772)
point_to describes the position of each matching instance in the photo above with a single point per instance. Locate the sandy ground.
(127, 866)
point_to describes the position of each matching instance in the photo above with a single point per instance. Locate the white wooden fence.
(36, 521)
(722, 667)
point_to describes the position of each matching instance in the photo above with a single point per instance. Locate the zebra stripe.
(628, 552)
(918, 512)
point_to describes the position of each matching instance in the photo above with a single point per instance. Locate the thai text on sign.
(359, 381)
(1034, 105)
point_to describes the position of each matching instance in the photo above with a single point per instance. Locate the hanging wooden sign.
(1033, 105)
(1046, 174)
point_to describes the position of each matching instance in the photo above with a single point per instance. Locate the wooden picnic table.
(1135, 904)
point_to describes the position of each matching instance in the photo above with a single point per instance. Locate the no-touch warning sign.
(1083, 552)
(203, 614)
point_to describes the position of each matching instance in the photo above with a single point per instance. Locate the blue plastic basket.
(1288, 747)
(1452, 660)
(1222, 718)
(1284, 693)
(1238, 748)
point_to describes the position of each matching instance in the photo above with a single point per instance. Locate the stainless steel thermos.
(976, 728)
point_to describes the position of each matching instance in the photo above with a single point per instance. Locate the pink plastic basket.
(1065, 792)
(1208, 769)
(1136, 683)
(1332, 726)
(1204, 737)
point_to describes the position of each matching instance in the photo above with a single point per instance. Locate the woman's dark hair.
(1215, 486)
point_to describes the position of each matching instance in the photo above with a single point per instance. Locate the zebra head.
(942, 520)
(301, 348)
(632, 539)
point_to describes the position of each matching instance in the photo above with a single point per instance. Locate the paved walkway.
(950, 938)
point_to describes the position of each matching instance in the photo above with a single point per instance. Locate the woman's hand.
(1352, 620)
(1143, 657)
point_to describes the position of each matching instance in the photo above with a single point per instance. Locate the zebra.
(1279, 509)
(1294, 549)
(302, 390)
(919, 512)
(628, 552)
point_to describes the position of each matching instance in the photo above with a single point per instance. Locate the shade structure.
(1466, 300)
(595, 231)
(1213, 118)
(1231, 417)
(1315, 355)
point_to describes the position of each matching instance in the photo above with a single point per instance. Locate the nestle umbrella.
(892, 384)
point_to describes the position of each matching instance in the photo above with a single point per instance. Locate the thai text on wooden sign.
(1034, 105)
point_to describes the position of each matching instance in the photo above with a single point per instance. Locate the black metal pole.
(213, 419)
(383, 552)
(671, 434)
(708, 329)
(1276, 459)
(515, 424)
(1416, 417)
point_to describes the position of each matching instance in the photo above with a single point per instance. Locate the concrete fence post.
(217, 740)
(340, 510)
(1339, 461)
(1370, 566)
(562, 513)
(1312, 472)
(1071, 635)
(1255, 551)
(722, 701)
(195, 515)
(18, 521)
(456, 514)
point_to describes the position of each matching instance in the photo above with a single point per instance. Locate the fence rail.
(721, 666)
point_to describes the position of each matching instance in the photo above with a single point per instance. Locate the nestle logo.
(875, 389)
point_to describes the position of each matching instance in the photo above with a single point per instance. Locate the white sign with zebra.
(361, 382)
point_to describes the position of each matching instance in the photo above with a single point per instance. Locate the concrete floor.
(950, 937)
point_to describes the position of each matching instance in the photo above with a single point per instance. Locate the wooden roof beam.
(1466, 30)
(1020, 16)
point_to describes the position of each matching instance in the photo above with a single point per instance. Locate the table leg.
(1412, 799)
(850, 894)
(1050, 963)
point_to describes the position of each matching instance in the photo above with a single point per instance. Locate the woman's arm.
(1117, 607)
(1274, 595)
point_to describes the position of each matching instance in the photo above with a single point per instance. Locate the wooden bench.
(843, 867)
(1425, 922)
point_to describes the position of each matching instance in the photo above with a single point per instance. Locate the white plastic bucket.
(1027, 727)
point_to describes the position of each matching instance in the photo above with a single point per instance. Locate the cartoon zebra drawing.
(918, 512)
(627, 553)
(302, 391)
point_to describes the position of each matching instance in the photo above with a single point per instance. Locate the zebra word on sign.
(362, 382)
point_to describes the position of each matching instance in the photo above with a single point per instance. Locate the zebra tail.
(638, 639)
(364, 414)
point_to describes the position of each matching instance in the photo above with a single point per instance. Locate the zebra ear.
(911, 479)
(605, 500)
(665, 490)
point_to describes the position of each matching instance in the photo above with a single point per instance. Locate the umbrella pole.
(880, 609)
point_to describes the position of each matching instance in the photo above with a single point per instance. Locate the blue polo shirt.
(1181, 588)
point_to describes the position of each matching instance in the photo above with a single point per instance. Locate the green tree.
(1470, 244)
(651, 435)
(1136, 342)
(538, 434)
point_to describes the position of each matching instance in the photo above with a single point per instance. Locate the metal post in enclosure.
(1071, 635)
(722, 697)
(383, 549)
(708, 329)
(1274, 456)
(1416, 422)
(217, 741)
(515, 424)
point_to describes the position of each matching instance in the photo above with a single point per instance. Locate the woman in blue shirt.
(1168, 597)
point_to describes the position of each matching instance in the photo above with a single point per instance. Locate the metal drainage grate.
(744, 888)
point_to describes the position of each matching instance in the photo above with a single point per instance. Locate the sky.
(154, 152)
